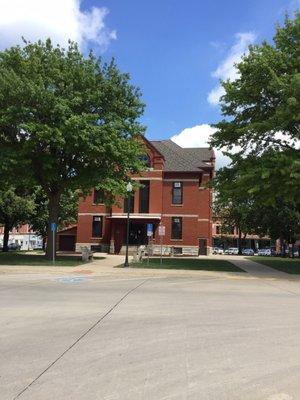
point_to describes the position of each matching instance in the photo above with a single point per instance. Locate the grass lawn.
(27, 258)
(188, 264)
(288, 265)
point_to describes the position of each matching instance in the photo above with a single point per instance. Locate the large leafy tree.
(16, 208)
(68, 208)
(232, 205)
(238, 204)
(262, 115)
(70, 122)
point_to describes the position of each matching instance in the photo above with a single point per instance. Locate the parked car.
(217, 250)
(248, 252)
(232, 251)
(264, 252)
(14, 246)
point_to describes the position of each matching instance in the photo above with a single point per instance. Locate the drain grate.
(72, 279)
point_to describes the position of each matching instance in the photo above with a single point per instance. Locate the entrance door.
(202, 247)
(137, 234)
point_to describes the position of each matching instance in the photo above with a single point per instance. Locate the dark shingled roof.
(183, 159)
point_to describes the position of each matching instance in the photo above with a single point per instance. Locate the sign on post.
(161, 233)
(53, 229)
(149, 229)
(161, 230)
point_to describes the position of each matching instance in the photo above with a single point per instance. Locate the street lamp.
(128, 190)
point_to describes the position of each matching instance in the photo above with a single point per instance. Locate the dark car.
(14, 246)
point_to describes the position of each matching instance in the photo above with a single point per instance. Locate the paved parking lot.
(192, 336)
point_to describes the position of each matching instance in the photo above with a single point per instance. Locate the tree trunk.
(44, 243)
(240, 242)
(282, 247)
(53, 207)
(6, 237)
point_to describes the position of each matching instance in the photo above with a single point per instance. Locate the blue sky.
(175, 51)
(171, 49)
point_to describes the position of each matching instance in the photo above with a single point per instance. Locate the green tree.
(68, 208)
(232, 204)
(262, 114)
(16, 208)
(73, 122)
(279, 221)
(238, 204)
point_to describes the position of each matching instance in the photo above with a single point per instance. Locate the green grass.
(188, 264)
(27, 258)
(288, 265)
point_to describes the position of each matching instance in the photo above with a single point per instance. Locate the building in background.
(23, 236)
(230, 239)
(173, 194)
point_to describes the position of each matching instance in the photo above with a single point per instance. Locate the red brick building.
(173, 194)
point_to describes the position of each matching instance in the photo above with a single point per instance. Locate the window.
(176, 228)
(144, 197)
(218, 229)
(145, 158)
(97, 227)
(177, 193)
(98, 196)
(131, 204)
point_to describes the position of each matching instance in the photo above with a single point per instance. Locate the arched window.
(146, 160)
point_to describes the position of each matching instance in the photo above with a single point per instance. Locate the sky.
(175, 51)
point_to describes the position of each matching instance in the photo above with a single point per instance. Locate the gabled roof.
(184, 159)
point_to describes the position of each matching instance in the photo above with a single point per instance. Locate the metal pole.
(53, 245)
(126, 264)
(160, 249)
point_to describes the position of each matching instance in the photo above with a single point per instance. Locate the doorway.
(137, 234)
(202, 247)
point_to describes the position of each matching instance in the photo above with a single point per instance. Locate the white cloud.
(198, 136)
(58, 19)
(227, 70)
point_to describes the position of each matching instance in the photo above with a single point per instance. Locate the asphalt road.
(214, 337)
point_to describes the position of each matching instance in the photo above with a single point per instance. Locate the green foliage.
(68, 208)
(238, 203)
(73, 121)
(67, 122)
(16, 207)
(262, 116)
(232, 204)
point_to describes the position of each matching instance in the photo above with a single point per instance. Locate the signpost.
(149, 234)
(149, 230)
(161, 232)
(53, 230)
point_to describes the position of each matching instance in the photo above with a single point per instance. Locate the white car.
(264, 252)
(217, 250)
(232, 251)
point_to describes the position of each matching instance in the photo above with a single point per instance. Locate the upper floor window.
(177, 193)
(146, 160)
(144, 197)
(176, 228)
(97, 227)
(98, 196)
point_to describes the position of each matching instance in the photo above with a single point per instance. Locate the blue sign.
(53, 226)
(149, 229)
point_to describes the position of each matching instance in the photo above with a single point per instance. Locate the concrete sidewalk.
(259, 270)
